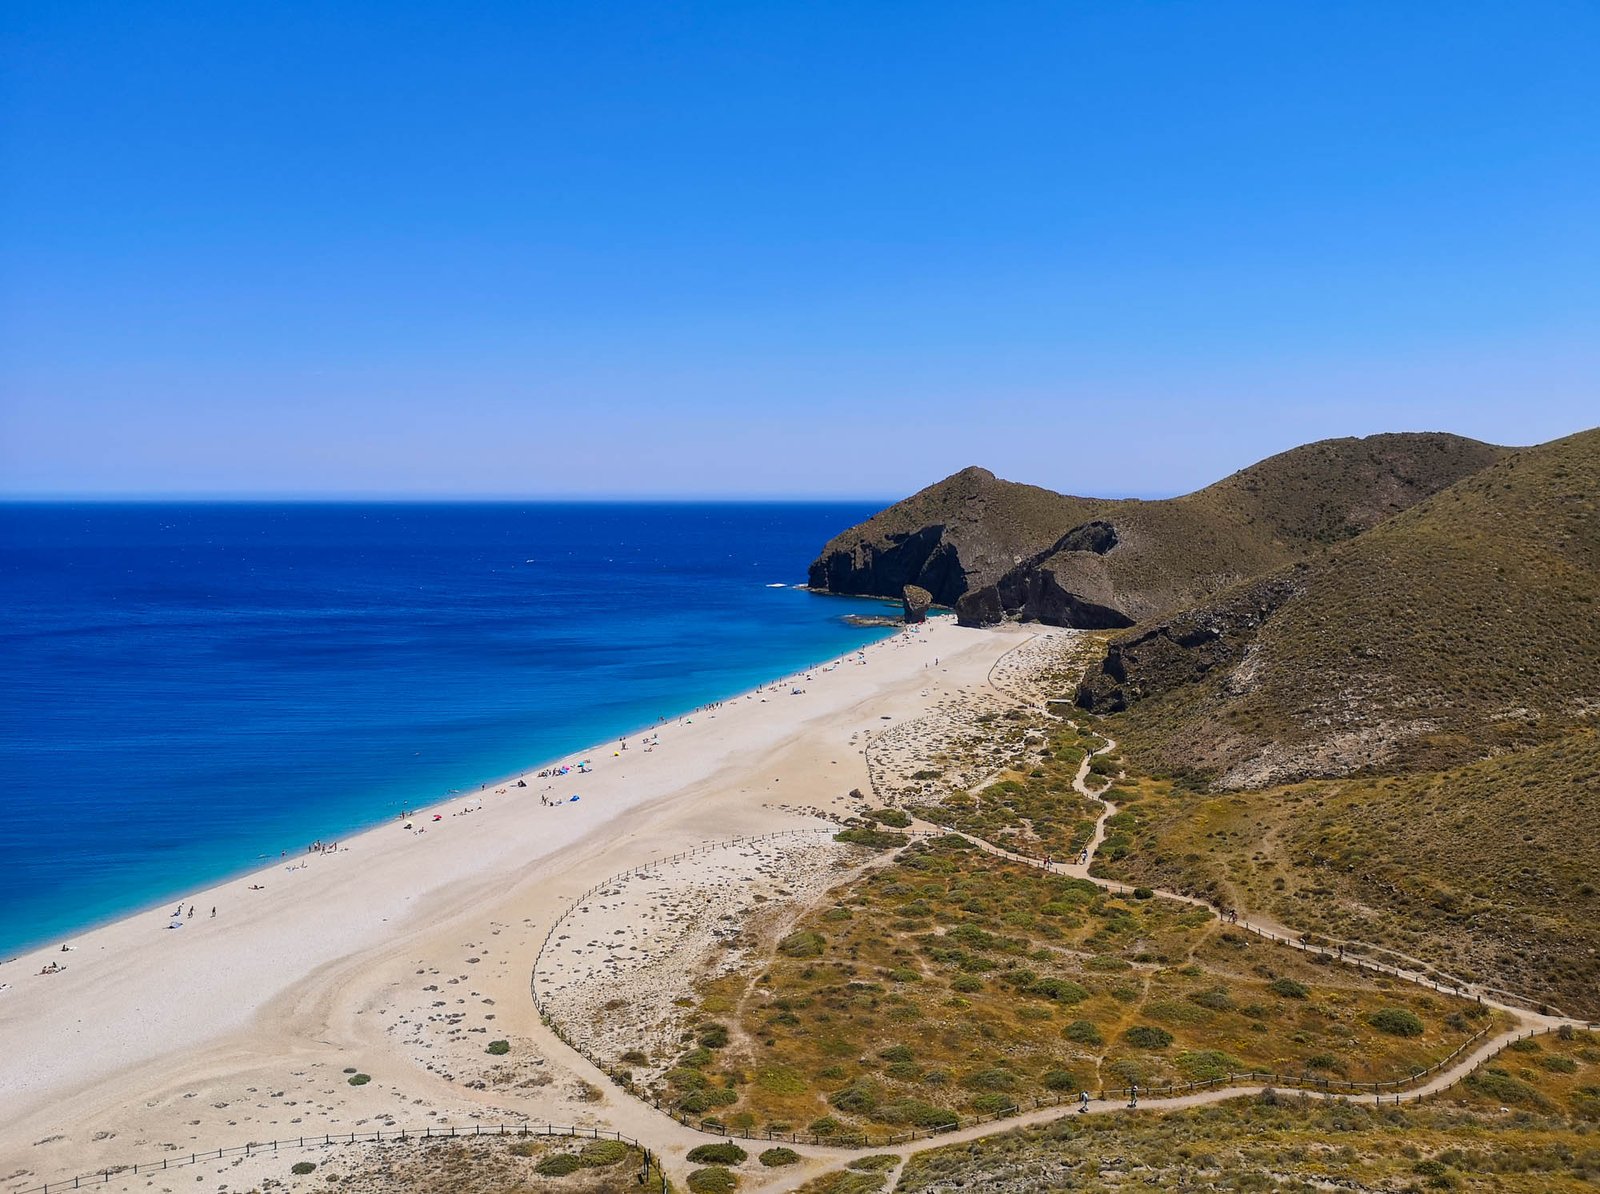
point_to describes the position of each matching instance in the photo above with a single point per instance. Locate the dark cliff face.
(1067, 585)
(884, 569)
(1185, 648)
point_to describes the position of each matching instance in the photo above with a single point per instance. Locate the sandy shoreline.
(240, 1027)
(423, 813)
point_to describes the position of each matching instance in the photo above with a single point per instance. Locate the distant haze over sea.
(192, 688)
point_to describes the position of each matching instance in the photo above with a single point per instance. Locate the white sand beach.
(403, 953)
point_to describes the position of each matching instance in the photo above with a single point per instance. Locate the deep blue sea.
(190, 687)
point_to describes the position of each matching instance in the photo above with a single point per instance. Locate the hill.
(1463, 625)
(1485, 871)
(956, 534)
(996, 549)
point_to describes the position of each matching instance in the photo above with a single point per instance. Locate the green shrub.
(876, 839)
(359, 1079)
(723, 1153)
(1146, 1036)
(1143, 893)
(896, 1053)
(1060, 1080)
(1288, 988)
(1397, 1021)
(499, 1048)
(775, 1157)
(966, 983)
(993, 1103)
(712, 1180)
(634, 1057)
(1202, 1065)
(302, 1167)
(1500, 1086)
(598, 1154)
(684, 1078)
(712, 1036)
(558, 1165)
(1059, 989)
(915, 1112)
(857, 1099)
(1559, 1065)
(1217, 999)
(1083, 1032)
(826, 1126)
(802, 944)
(698, 1102)
(893, 817)
(875, 1163)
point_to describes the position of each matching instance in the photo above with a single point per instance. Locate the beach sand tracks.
(969, 738)
(620, 963)
(976, 735)
(1046, 666)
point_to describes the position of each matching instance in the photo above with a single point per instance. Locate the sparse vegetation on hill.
(1490, 871)
(1463, 626)
(948, 983)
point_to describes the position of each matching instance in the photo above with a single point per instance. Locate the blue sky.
(782, 249)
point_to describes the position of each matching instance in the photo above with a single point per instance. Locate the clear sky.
(807, 248)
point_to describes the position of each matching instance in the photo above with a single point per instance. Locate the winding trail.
(660, 1129)
(1526, 1022)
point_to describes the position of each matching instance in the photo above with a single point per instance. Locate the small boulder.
(916, 600)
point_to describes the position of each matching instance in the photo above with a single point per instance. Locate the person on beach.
(213, 912)
(1083, 1101)
(1133, 1095)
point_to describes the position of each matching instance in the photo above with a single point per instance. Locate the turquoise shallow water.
(189, 688)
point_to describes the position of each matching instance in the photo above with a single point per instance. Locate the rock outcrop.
(915, 600)
(958, 534)
(996, 551)
(1067, 585)
(1186, 647)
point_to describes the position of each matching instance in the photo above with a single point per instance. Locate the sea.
(189, 689)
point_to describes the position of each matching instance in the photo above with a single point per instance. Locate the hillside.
(1486, 871)
(995, 549)
(1465, 624)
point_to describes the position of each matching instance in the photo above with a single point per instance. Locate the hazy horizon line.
(337, 499)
